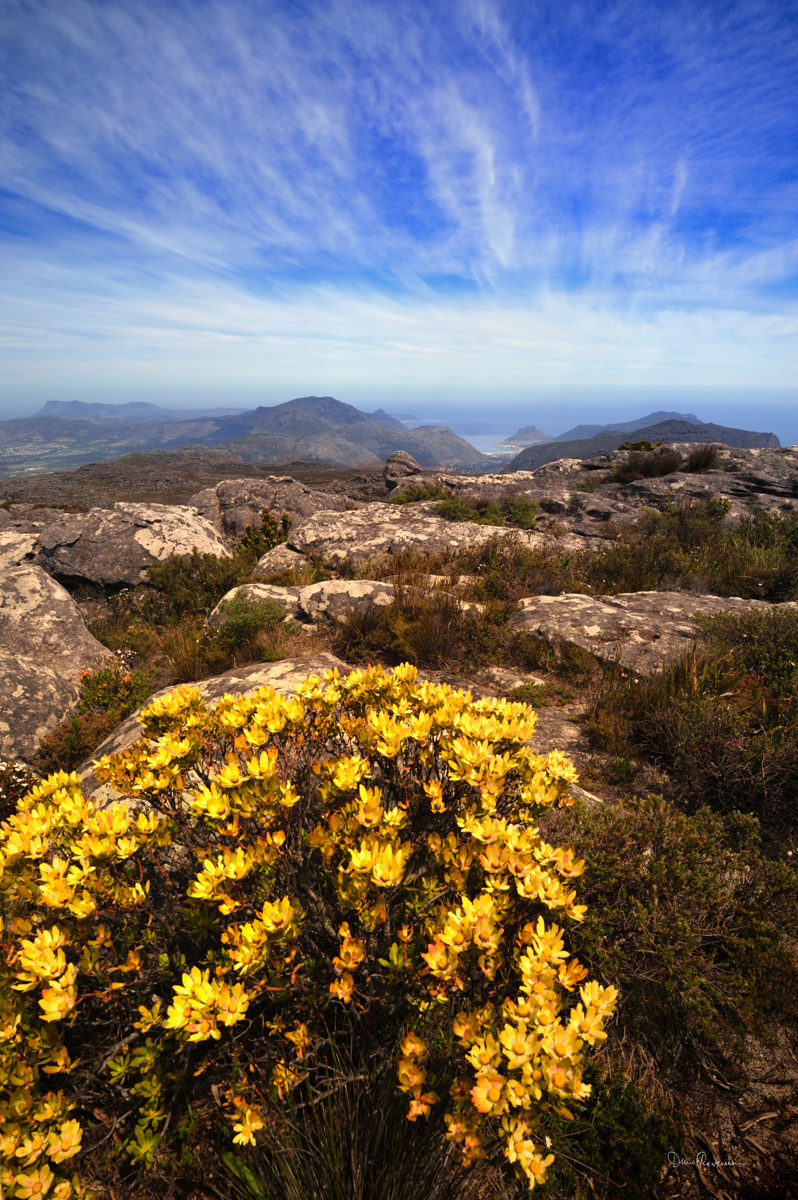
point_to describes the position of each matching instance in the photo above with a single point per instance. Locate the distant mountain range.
(610, 439)
(308, 429)
(135, 410)
(530, 435)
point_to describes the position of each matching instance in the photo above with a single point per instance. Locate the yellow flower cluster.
(368, 843)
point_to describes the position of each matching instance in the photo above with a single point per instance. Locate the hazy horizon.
(347, 197)
(484, 416)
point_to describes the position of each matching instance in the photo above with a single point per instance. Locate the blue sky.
(240, 202)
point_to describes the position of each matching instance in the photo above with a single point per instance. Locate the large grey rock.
(286, 597)
(640, 630)
(40, 620)
(280, 558)
(112, 547)
(383, 529)
(284, 677)
(33, 700)
(399, 466)
(336, 599)
(235, 503)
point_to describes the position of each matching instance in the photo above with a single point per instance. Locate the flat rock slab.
(15, 547)
(113, 547)
(382, 529)
(235, 503)
(33, 700)
(640, 630)
(40, 620)
(379, 530)
(284, 677)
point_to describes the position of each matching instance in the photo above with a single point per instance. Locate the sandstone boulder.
(235, 503)
(33, 700)
(284, 677)
(40, 620)
(336, 599)
(640, 630)
(383, 529)
(114, 547)
(281, 558)
(399, 466)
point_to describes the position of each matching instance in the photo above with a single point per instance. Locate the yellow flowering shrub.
(280, 871)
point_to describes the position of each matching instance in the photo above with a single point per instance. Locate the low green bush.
(107, 696)
(190, 585)
(512, 509)
(647, 464)
(703, 458)
(420, 491)
(258, 541)
(244, 617)
(692, 921)
(723, 722)
(685, 546)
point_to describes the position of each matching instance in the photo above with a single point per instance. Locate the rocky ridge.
(579, 505)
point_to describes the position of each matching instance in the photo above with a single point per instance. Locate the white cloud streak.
(437, 189)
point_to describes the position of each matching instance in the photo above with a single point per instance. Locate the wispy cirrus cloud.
(357, 187)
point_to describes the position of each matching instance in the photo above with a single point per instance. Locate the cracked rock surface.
(235, 503)
(114, 547)
(640, 630)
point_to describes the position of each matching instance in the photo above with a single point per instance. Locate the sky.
(557, 204)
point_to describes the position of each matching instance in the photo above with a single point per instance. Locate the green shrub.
(703, 458)
(349, 867)
(426, 626)
(685, 546)
(107, 696)
(191, 585)
(645, 464)
(244, 617)
(420, 491)
(721, 722)
(691, 921)
(512, 509)
(619, 1141)
(257, 542)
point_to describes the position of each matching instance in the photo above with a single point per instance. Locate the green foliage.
(191, 585)
(620, 1140)
(543, 695)
(244, 617)
(429, 627)
(691, 921)
(115, 687)
(645, 464)
(703, 458)
(721, 722)
(686, 545)
(420, 491)
(257, 542)
(512, 509)
(107, 696)
(344, 868)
